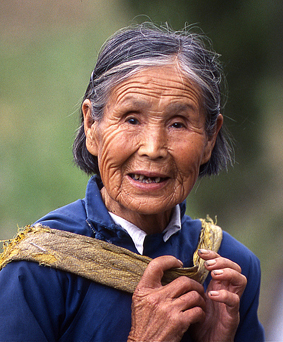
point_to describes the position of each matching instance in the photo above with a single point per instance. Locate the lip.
(148, 186)
(150, 174)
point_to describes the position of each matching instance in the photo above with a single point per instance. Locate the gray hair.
(135, 48)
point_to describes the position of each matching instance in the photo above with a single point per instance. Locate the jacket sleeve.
(250, 329)
(31, 303)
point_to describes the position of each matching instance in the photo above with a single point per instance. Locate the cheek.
(188, 157)
(187, 160)
(115, 149)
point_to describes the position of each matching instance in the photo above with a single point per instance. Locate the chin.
(150, 207)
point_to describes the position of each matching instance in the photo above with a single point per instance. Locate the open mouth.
(147, 180)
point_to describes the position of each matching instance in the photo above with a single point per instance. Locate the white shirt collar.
(139, 235)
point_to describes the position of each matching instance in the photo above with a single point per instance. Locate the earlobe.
(89, 127)
(212, 139)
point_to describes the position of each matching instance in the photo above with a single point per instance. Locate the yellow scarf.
(97, 260)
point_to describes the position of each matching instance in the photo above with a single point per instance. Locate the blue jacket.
(41, 304)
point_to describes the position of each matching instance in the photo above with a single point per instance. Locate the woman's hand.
(222, 299)
(164, 313)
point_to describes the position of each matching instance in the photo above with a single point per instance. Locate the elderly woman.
(151, 125)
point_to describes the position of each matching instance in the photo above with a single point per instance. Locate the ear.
(211, 140)
(90, 126)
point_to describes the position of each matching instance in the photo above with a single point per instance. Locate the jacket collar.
(96, 212)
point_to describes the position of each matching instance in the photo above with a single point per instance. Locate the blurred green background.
(47, 51)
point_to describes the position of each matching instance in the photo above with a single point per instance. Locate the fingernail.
(210, 262)
(213, 293)
(203, 251)
(218, 272)
(181, 264)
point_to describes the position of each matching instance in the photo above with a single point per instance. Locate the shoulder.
(71, 217)
(236, 251)
(75, 217)
(47, 298)
(191, 227)
(26, 292)
(249, 329)
(230, 248)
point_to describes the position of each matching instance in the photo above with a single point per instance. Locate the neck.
(149, 223)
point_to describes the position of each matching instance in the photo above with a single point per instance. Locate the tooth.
(136, 177)
(141, 177)
(157, 179)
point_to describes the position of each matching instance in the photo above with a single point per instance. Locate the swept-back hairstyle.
(135, 48)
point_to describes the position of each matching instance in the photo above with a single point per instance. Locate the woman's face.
(150, 142)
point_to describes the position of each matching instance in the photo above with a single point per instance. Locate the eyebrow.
(131, 101)
(179, 107)
(176, 106)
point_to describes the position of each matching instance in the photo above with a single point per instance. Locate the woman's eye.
(133, 121)
(178, 125)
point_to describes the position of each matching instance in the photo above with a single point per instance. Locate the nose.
(153, 144)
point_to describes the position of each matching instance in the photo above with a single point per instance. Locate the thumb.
(155, 270)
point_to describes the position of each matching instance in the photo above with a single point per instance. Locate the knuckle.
(183, 280)
(232, 299)
(174, 318)
(194, 295)
(192, 299)
(199, 314)
(188, 283)
(236, 301)
(148, 300)
(152, 301)
(179, 320)
(153, 266)
(139, 295)
(225, 295)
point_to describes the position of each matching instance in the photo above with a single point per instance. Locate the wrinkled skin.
(164, 313)
(150, 145)
(153, 126)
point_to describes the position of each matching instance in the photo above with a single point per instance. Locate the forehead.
(154, 83)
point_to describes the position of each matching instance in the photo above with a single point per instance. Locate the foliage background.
(47, 51)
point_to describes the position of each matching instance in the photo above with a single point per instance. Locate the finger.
(215, 261)
(192, 316)
(182, 285)
(190, 300)
(221, 263)
(222, 296)
(154, 272)
(207, 254)
(234, 278)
